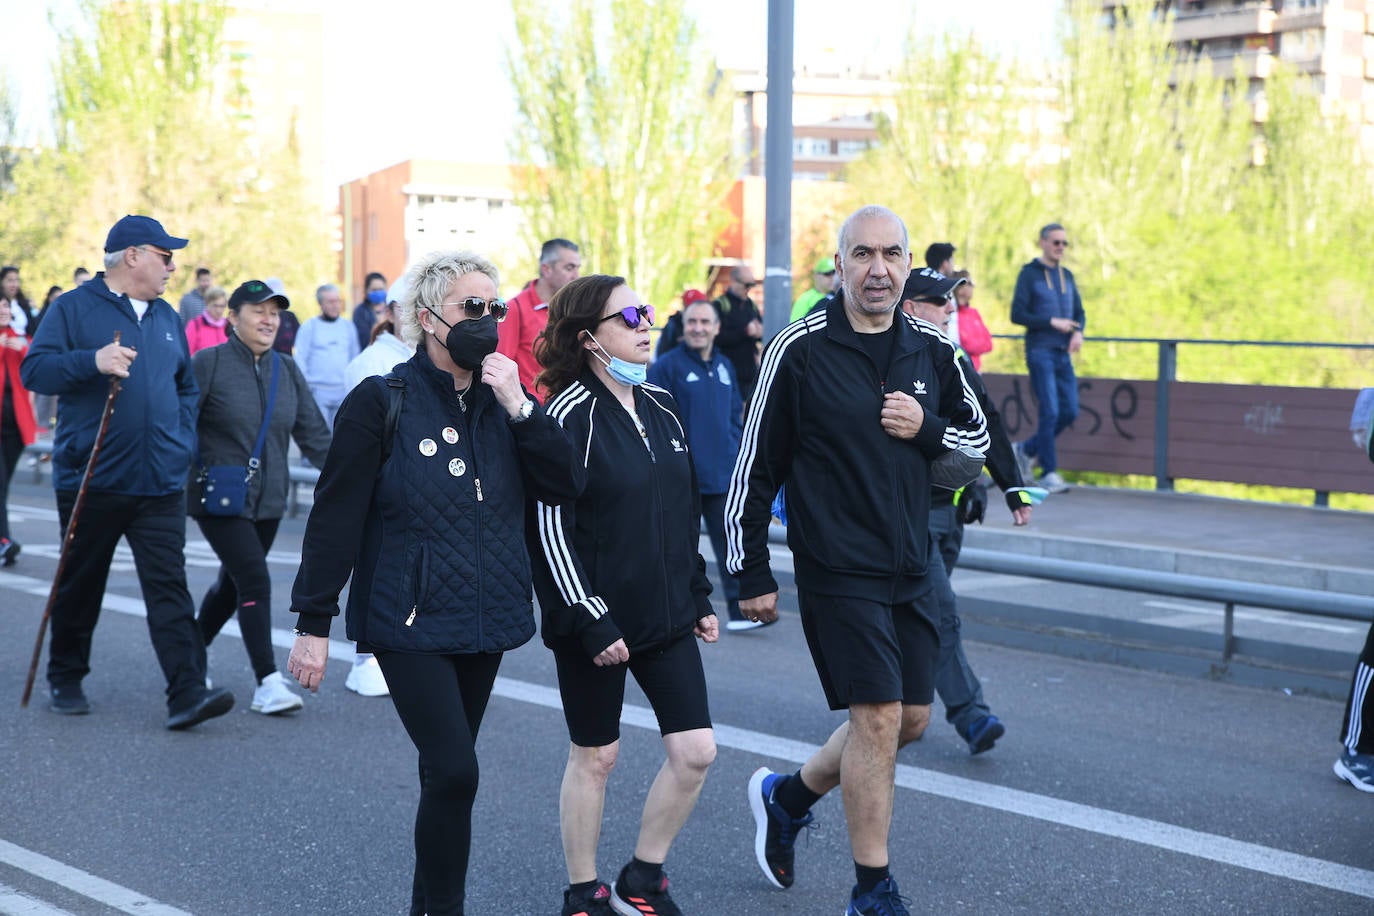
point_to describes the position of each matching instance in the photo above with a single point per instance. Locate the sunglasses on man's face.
(165, 255)
(1060, 243)
(476, 307)
(633, 315)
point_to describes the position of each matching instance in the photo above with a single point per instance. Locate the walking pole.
(70, 532)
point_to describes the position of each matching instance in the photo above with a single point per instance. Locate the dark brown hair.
(573, 309)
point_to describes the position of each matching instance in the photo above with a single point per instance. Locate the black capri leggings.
(441, 700)
(244, 585)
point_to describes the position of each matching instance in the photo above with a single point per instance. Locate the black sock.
(643, 876)
(868, 877)
(796, 799)
(583, 889)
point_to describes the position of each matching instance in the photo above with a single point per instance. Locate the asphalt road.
(1115, 790)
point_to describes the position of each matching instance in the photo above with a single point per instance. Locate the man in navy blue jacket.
(702, 380)
(1047, 303)
(137, 490)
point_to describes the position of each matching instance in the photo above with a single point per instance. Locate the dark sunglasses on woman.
(633, 315)
(474, 307)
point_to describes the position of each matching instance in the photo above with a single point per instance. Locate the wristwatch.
(526, 411)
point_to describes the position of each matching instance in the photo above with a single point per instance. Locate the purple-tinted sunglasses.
(633, 315)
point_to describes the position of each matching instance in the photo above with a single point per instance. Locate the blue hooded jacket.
(147, 448)
(712, 409)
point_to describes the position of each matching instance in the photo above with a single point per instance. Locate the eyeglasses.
(475, 307)
(633, 315)
(1060, 243)
(165, 255)
(828, 273)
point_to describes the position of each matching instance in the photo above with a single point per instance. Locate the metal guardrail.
(1228, 592)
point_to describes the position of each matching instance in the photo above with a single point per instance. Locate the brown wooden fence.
(1252, 434)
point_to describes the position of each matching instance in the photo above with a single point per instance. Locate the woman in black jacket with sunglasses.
(622, 585)
(422, 501)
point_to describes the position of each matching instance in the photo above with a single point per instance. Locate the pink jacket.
(974, 335)
(202, 332)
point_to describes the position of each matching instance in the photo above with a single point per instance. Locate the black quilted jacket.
(435, 536)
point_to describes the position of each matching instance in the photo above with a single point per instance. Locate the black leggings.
(244, 585)
(11, 447)
(441, 700)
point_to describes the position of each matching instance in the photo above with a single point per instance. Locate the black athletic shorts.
(671, 677)
(870, 652)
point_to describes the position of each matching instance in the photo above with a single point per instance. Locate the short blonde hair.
(429, 280)
(216, 292)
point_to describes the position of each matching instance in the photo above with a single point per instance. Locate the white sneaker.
(739, 626)
(366, 678)
(1053, 482)
(273, 696)
(1024, 463)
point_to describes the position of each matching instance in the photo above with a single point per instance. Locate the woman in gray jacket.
(235, 380)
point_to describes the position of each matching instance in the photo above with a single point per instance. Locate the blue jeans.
(1056, 392)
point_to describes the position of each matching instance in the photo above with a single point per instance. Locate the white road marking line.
(1257, 616)
(1212, 847)
(13, 903)
(83, 883)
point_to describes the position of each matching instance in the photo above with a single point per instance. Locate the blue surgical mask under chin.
(623, 371)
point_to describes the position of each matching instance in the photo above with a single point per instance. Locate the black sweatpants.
(155, 527)
(1359, 706)
(244, 585)
(441, 700)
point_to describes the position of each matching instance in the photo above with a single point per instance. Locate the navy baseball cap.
(929, 284)
(253, 292)
(132, 231)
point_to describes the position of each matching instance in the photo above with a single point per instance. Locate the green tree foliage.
(141, 127)
(624, 135)
(1195, 211)
(951, 160)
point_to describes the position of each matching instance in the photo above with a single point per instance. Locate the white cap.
(398, 290)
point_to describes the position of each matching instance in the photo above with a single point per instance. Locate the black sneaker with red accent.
(598, 903)
(632, 902)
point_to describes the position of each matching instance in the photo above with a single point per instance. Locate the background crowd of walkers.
(477, 454)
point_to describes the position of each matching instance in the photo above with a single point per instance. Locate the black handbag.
(224, 487)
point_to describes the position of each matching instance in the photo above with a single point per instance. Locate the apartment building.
(1329, 42)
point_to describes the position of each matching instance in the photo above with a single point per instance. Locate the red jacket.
(9, 365)
(524, 322)
(974, 336)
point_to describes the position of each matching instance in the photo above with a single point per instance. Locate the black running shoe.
(649, 903)
(598, 903)
(775, 831)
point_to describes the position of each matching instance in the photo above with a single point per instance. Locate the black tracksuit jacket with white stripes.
(621, 560)
(857, 499)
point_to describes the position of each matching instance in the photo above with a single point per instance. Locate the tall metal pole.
(777, 150)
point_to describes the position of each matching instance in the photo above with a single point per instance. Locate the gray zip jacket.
(233, 395)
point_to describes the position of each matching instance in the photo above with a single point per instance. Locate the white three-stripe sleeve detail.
(738, 494)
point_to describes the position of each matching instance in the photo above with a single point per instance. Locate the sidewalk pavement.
(1299, 546)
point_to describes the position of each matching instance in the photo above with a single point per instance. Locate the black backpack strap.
(396, 391)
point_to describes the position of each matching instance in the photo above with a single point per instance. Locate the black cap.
(132, 231)
(929, 284)
(253, 292)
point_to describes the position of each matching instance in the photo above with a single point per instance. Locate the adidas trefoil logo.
(677, 446)
(920, 387)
